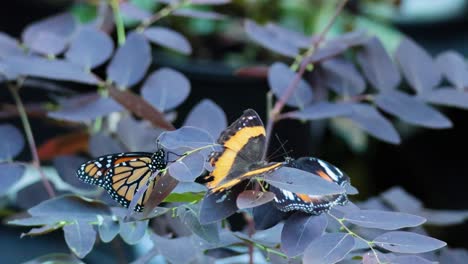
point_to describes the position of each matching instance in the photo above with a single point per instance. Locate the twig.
(161, 14)
(118, 21)
(297, 78)
(251, 231)
(30, 138)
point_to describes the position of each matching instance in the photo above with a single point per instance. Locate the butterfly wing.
(243, 145)
(312, 204)
(121, 175)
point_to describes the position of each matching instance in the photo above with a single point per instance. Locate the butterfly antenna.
(282, 144)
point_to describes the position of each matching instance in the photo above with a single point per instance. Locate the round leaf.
(329, 249)
(408, 242)
(252, 198)
(166, 89)
(168, 38)
(208, 116)
(90, 48)
(383, 219)
(11, 142)
(187, 168)
(10, 173)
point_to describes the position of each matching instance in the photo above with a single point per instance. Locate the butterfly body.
(122, 174)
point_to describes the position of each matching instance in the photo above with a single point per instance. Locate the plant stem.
(118, 22)
(297, 78)
(30, 138)
(161, 14)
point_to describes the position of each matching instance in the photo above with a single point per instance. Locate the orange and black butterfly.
(244, 142)
(121, 175)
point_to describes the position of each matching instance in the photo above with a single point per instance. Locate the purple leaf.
(296, 38)
(129, 10)
(402, 201)
(50, 69)
(84, 108)
(133, 232)
(168, 38)
(453, 65)
(299, 181)
(198, 14)
(136, 135)
(11, 142)
(171, 249)
(299, 231)
(270, 39)
(377, 66)
(411, 110)
(444, 217)
(10, 173)
(266, 216)
(453, 256)
(90, 48)
(190, 218)
(342, 77)
(417, 65)
(370, 120)
(218, 206)
(407, 242)
(166, 89)
(108, 229)
(66, 167)
(383, 219)
(101, 144)
(446, 96)
(189, 137)
(80, 237)
(55, 258)
(130, 62)
(70, 207)
(252, 198)
(328, 249)
(322, 110)
(370, 258)
(209, 116)
(9, 46)
(187, 168)
(49, 36)
(280, 78)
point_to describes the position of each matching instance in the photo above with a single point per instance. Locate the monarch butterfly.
(122, 174)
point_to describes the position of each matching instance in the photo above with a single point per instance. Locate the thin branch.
(273, 116)
(166, 11)
(30, 138)
(118, 21)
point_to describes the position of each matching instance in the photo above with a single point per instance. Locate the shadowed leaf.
(133, 232)
(102, 144)
(166, 89)
(411, 110)
(280, 78)
(252, 198)
(454, 256)
(208, 116)
(299, 231)
(162, 188)
(188, 168)
(9, 46)
(266, 216)
(217, 206)
(130, 62)
(171, 248)
(328, 249)
(453, 65)
(136, 135)
(168, 38)
(66, 167)
(342, 77)
(446, 96)
(55, 258)
(108, 229)
(377, 66)
(410, 57)
(189, 216)
(370, 120)
(407, 242)
(80, 237)
(90, 48)
(11, 142)
(270, 39)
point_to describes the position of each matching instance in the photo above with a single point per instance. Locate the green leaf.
(184, 197)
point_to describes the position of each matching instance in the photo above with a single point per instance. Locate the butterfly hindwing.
(121, 175)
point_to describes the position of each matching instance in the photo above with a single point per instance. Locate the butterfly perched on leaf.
(122, 174)
(241, 159)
